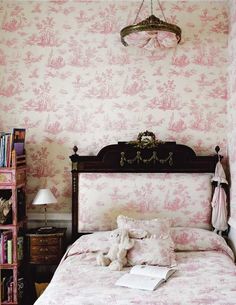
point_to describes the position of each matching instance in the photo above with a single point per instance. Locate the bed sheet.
(203, 278)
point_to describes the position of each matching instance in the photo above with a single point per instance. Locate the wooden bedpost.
(75, 167)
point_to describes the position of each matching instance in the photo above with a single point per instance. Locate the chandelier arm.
(161, 10)
(160, 26)
(140, 7)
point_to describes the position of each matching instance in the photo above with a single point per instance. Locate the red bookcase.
(12, 185)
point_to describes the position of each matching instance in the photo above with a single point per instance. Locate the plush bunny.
(116, 256)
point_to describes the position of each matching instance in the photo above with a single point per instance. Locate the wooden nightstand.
(45, 249)
(44, 252)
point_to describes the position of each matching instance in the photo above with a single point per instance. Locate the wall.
(232, 118)
(65, 76)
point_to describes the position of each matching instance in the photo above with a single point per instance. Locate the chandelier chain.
(135, 20)
(161, 10)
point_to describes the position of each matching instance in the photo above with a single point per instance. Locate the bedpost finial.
(217, 149)
(75, 149)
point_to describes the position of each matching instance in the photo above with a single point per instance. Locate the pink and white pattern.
(183, 198)
(204, 277)
(232, 109)
(152, 251)
(195, 239)
(66, 77)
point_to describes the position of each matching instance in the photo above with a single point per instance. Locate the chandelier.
(151, 33)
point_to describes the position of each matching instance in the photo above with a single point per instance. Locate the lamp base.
(46, 229)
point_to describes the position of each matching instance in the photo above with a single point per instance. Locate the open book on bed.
(145, 277)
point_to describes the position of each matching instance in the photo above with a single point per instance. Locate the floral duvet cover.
(206, 275)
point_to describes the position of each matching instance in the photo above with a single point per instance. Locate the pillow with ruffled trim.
(157, 227)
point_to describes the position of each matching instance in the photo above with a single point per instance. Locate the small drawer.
(37, 250)
(44, 259)
(6, 178)
(44, 240)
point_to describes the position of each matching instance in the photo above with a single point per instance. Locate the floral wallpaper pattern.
(232, 108)
(66, 77)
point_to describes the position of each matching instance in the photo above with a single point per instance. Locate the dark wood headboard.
(145, 155)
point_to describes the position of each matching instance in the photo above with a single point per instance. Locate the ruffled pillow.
(155, 249)
(152, 251)
(157, 227)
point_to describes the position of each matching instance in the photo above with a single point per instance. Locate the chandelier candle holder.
(151, 33)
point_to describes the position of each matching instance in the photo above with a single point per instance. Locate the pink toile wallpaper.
(66, 77)
(232, 109)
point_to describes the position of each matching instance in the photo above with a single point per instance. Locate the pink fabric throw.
(219, 200)
(219, 211)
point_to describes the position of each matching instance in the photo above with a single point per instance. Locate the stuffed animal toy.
(116, 256)
(5, 207)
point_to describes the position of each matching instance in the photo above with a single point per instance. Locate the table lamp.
(44, 197)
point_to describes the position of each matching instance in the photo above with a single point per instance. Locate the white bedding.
(206, 275)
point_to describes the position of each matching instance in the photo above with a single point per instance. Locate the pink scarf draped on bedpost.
(219, 200)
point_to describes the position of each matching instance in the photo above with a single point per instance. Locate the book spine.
(20, 287)
(4, 250)
(1, 250)
(10, 292)
(20, 241)
(9, 251)
(1, 152)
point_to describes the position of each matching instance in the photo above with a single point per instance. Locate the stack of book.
(10, 141)
(6, 251)
(7, 288)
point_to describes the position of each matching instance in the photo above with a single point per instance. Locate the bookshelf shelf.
(12, 186)
(9, 266)
(18, 225)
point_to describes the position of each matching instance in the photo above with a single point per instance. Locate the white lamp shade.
(44, 196)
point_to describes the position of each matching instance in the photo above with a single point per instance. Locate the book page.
(154, 271)
(139, 282)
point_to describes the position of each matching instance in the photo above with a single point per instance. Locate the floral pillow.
(195, 239)
(155, 249)
(94, 242)
(152, 251)
(157, 227)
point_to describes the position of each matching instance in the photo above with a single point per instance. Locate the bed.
(141, 181)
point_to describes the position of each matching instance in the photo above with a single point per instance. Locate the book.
(20, 288)
(20, 243)
(5, 236)
(18, 140)
(9, 251)
(145, 277)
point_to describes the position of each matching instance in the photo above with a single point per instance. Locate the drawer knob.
(43, 249)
